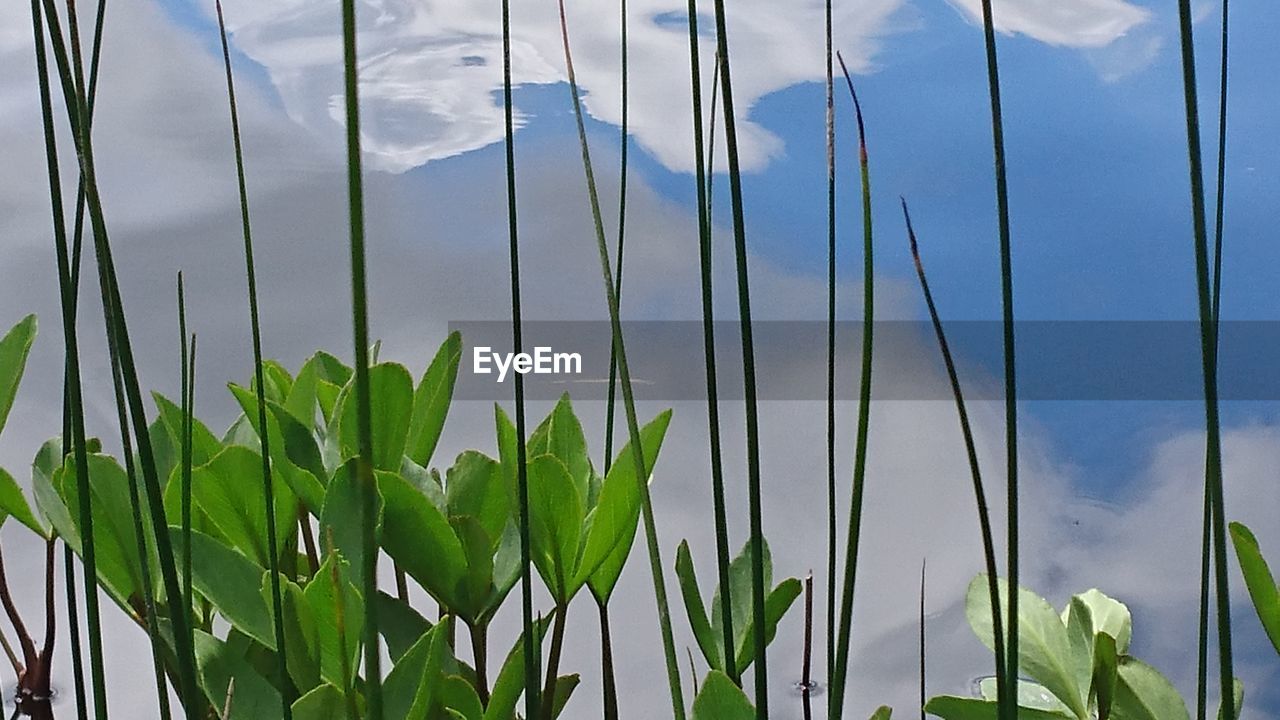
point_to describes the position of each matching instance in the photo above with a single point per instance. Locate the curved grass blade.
(971, 450)
(702, 162)
(853, 539)
(532, 658)
(628, 400)
(748, 368)
(273, 552)
(73, 407)
(622, 225)
(832, 523)
(188, 424)
(1008, 703)
(1209, 354)
(360, 322)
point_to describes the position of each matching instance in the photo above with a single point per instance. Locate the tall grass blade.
(703, 172)
(923, 678)
(832, 529)
(188, 424)
(748, 368)
(273, 552)
(975, 469)
(73, 630)
(622, 225)
(1202, 666)
(853, 538)
(532, 659)
(360, 322)
(628, 400)
(1209, 353)
(73, 407)
(71, 74)
(1010, 698)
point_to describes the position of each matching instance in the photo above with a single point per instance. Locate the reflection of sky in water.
(1098, 173)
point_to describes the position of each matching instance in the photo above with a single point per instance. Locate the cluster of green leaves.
(1077, 660)
(454, 532)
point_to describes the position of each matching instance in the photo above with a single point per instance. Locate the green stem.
(622, 225)
(709, 344)
(628, 399)
(553, 660)
(748, 370)
(188, 424)
(608, 679)
(832, 530)
(480, 654)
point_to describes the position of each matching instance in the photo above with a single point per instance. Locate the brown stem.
(553, 662)
(39, 683)
(29, 657)
(18, 670)
(480, 654)
(806, 678)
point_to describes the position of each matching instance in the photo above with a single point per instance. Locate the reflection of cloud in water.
(431, 69)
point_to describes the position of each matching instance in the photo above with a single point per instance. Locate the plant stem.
(628, 399)
(188, 424)
(1009, 701)
(923, 684)
(975, 469)
(532, 659)
(853, 539)
(748, 370)
(1209, 354)
(553, 660)
(622, 225)
(806, 672)
(480, 654)
(832, 530)
(703, 177)
(608, 680)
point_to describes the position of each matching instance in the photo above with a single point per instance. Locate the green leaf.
(323, 601)
(720, 699)
(775, 606)
(301, 633)
(15, 346)
(614, 519)
(740, 584)
(884, 712)
(708, 642)
(1259, 580)
(417, 536)
(1144, 694)
(509, 686)
(560, 435)
(474, 487)
(555, 523)
(1237, 690)
(14, 504)
(1105, 674)
(343, 514)
(507, 449)
(1109, 616)
(231, 491)
(1044, 648)
(46, 465)
(391, 402)
(399, 624)
(325, 702)
(565, 685)
(1030, 695)
(232, 583)
(301, 400)
(473, 592)
(303, 452)
(204, 444)
(119, 567)
(431, 400)
(414, 685)
(949, 707)
(1080, 634)
(457, 695)
(253, 697)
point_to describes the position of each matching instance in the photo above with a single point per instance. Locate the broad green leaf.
(204, 444)
(474, 487)
(431, 400)
(231, 582)
(720, 699)
(473, 592)
(507, 449)
(343, 514)
(399, 624)
(46, 465)
(391, 407)
(301, 401)
(740, 586)
(279, 381)
(1144, 694)
(565, 685)
(301, 449)
(775, 606)
(427, 482)
(1105, 674)
(560, 435)
(116, 545)
(323, 601)
(301, 633)
(231, 491)
(555, 523)
(1259, 580)
(1030, 695)
(417, 536)
(1109, 616)
(509, 686)
(242, 432)
(325, 702)
(401, 686)
(163, 451)
(15, 346)
(457, 695)
(1080, 634)
(331, 369)
(884, 712)
(253, 697)
(1044, 648)
(14, 504)
(617, 512)
(1238, 693)
(708, 642)
(949, 707)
